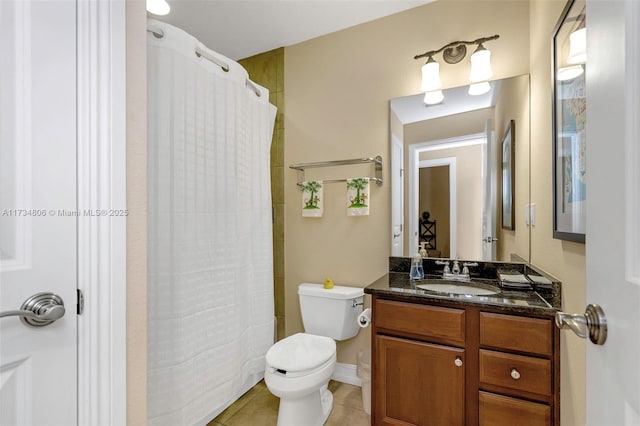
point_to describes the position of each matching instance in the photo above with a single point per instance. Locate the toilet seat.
(300, 354)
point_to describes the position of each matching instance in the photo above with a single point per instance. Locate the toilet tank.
(330, 312)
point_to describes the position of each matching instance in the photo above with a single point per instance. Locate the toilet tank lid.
(301, 352)
(337, 292)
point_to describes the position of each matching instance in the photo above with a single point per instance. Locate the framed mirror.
(569, 123)
(445, 161)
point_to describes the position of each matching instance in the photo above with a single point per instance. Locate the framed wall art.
(569, 123)
(508, 176)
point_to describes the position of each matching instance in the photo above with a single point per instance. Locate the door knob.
(593, 323)
(489, 239)
(39, 310)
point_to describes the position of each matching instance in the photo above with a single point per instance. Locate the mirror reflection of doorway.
(465, 157)
(433, 198)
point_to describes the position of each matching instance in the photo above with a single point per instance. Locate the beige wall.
(136, 44)
(468, 197)
(338, 89)
(563, 259)
(513, 104)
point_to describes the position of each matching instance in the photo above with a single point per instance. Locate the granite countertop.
(397, 285)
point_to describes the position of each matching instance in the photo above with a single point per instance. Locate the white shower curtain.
(210, 289)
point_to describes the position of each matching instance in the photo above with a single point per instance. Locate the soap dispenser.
(416, 272)
(423, 251)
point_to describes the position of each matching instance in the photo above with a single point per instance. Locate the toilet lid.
(301, 352)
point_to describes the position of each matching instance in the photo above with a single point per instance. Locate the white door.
(489, 167)
(37, 207)
(397, 197)
(613, 209)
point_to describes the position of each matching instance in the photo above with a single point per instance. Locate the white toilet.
(298, 368)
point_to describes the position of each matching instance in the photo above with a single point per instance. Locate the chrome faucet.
(446, 269)
(455, 273)
(456, 268)
(465, 267)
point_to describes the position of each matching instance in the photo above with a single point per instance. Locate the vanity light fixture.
(480, 65)
(577, 55)
(476, 89)
(569, 73)
(433, 98)
(578, 46)
(158, 7)
(431, 82)
(453, 53)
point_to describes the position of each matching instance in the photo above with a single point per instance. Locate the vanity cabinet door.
(418, 383)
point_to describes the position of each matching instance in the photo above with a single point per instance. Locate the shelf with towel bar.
(377, 161)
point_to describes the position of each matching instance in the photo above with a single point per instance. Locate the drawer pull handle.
(515, 374)
(458, 362)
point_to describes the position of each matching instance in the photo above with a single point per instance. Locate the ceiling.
(242, 28)
(411, 109)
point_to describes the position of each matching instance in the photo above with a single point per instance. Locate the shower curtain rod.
(158, 33)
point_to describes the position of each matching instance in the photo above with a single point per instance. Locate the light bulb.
(480, 65)
(569, 73)
(578, 47)
(432, 98)
(479, 88)
(431, 76)
(158, 7)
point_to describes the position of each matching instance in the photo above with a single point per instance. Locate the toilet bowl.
(298, 368)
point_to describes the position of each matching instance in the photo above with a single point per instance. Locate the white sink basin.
(458, 289)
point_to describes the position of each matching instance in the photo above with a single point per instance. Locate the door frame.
(414, 215)
(397, 196)
(101, 185)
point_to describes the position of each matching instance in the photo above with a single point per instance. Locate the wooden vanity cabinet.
(419, 356)
(452, 365)
(416, 374)
(518, 370)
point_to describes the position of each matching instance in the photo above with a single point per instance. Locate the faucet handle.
(446, 269)
(465, 267)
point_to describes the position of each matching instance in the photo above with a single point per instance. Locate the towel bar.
(377, 160)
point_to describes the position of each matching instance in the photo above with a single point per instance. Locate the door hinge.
(80, 305)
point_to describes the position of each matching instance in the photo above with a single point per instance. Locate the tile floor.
(258, 407)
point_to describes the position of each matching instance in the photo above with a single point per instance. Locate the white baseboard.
(346, 373)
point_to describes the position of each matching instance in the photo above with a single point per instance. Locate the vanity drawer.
(429, 321)
(499, 410)
(531, 335)
(515, 372)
